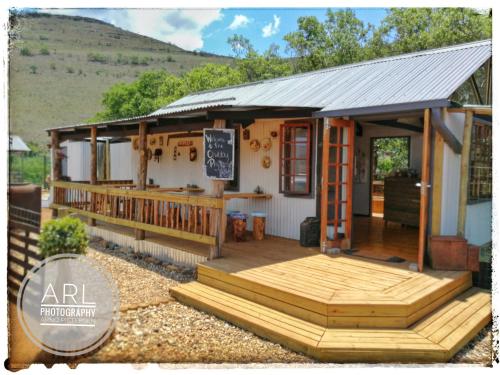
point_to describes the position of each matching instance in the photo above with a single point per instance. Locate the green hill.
(61, 65)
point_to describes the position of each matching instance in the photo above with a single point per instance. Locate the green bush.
(70, 70)
(97, 57)
(63, 236)
(44, 51)
(25, 51)
(33, 69)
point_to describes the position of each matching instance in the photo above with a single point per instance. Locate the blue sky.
(208, 29)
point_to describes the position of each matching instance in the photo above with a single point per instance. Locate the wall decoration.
(160, 140)
(158, 152)
(152, 141)
(175, 152)
(185, 143)
(246, 134)
(135, 143)
(255, 145)
(274, 133)
(149, 154)
(267, 144)
(266, 162)
(193, 153)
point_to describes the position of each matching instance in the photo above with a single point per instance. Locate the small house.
(374, 167)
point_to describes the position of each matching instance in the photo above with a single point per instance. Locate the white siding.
(451, 176)
(478, 223)
(78, 159)
(361, 193)
(284, 213)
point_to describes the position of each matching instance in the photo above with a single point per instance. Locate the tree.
(254, 66)
(406, 30)
(339, 40)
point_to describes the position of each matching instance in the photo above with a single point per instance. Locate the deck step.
(434, 338)
(396, 307)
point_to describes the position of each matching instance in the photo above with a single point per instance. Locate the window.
(295, 158)
(480, 170)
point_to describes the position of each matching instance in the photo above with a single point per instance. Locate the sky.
(208, 29)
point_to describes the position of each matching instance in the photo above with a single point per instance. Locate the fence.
(181, 216)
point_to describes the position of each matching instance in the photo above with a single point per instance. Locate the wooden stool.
(259, 225)
(239, 222)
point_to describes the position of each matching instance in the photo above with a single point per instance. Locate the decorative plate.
(150, 154)
(152, 141)
(255, 145)
(266, 162)
(266, 144)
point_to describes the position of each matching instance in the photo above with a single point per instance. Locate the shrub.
(43, 37)
(170, 59)
(134, 60)
(70, 70)
(44, 51)
(25, 51)
(33, 69)
(97, 57)
(52, 66)
(63, 236)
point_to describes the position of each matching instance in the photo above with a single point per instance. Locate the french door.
(336, 183)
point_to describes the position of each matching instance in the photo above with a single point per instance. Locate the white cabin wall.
(478, 223)
(78, 159)
(121, 158)
(361, 192)
(284, 214)
(451, 176)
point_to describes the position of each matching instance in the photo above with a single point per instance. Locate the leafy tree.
(339, 40)
(254, 66)
(406, 30)
(392, 154)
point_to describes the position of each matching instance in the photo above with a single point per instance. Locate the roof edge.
(400, 107)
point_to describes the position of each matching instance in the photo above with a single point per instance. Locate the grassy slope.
(67, 87)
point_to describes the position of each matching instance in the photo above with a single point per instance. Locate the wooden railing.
(181, 216)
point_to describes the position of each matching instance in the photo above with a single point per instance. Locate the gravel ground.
(153, 327)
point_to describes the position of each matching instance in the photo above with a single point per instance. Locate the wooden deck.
(339, 308)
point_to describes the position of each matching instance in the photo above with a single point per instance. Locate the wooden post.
(464, 174)
(424, 189)
(142, 174)
(217, 219)
(93, 170)
(324, 185)
(437, 184)
(56, 162)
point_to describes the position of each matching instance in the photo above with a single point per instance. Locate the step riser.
(369, 316)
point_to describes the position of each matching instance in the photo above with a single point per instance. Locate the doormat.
(395, 260)
(349, 251)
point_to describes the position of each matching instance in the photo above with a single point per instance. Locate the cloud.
(182, 27)
(272, 27)
(239, 21)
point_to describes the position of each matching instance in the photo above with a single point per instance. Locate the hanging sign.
(218, 154)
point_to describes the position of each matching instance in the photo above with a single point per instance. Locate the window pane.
(300, 150)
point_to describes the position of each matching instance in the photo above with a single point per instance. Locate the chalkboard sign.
(218, 151)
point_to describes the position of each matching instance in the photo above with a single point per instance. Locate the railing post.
(56, 165)
(93, 170)
(142, 175)
(217, 217)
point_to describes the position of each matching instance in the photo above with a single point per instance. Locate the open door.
(336, 183)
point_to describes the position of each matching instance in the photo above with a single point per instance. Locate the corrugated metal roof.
(421, 78)
(16, 144)
(122, 121)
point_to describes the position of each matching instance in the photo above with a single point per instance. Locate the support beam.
(437, 184)
(475, 89)
(424, 189)
(56, 162)
(142, 174)
(442, 129)
(464, 174)
(397, 124)
(217, 222)
(260, 113)
(93, 170)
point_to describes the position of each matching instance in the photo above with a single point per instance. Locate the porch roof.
(400, 83)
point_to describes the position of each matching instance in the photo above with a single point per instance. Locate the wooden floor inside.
(374, 238)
